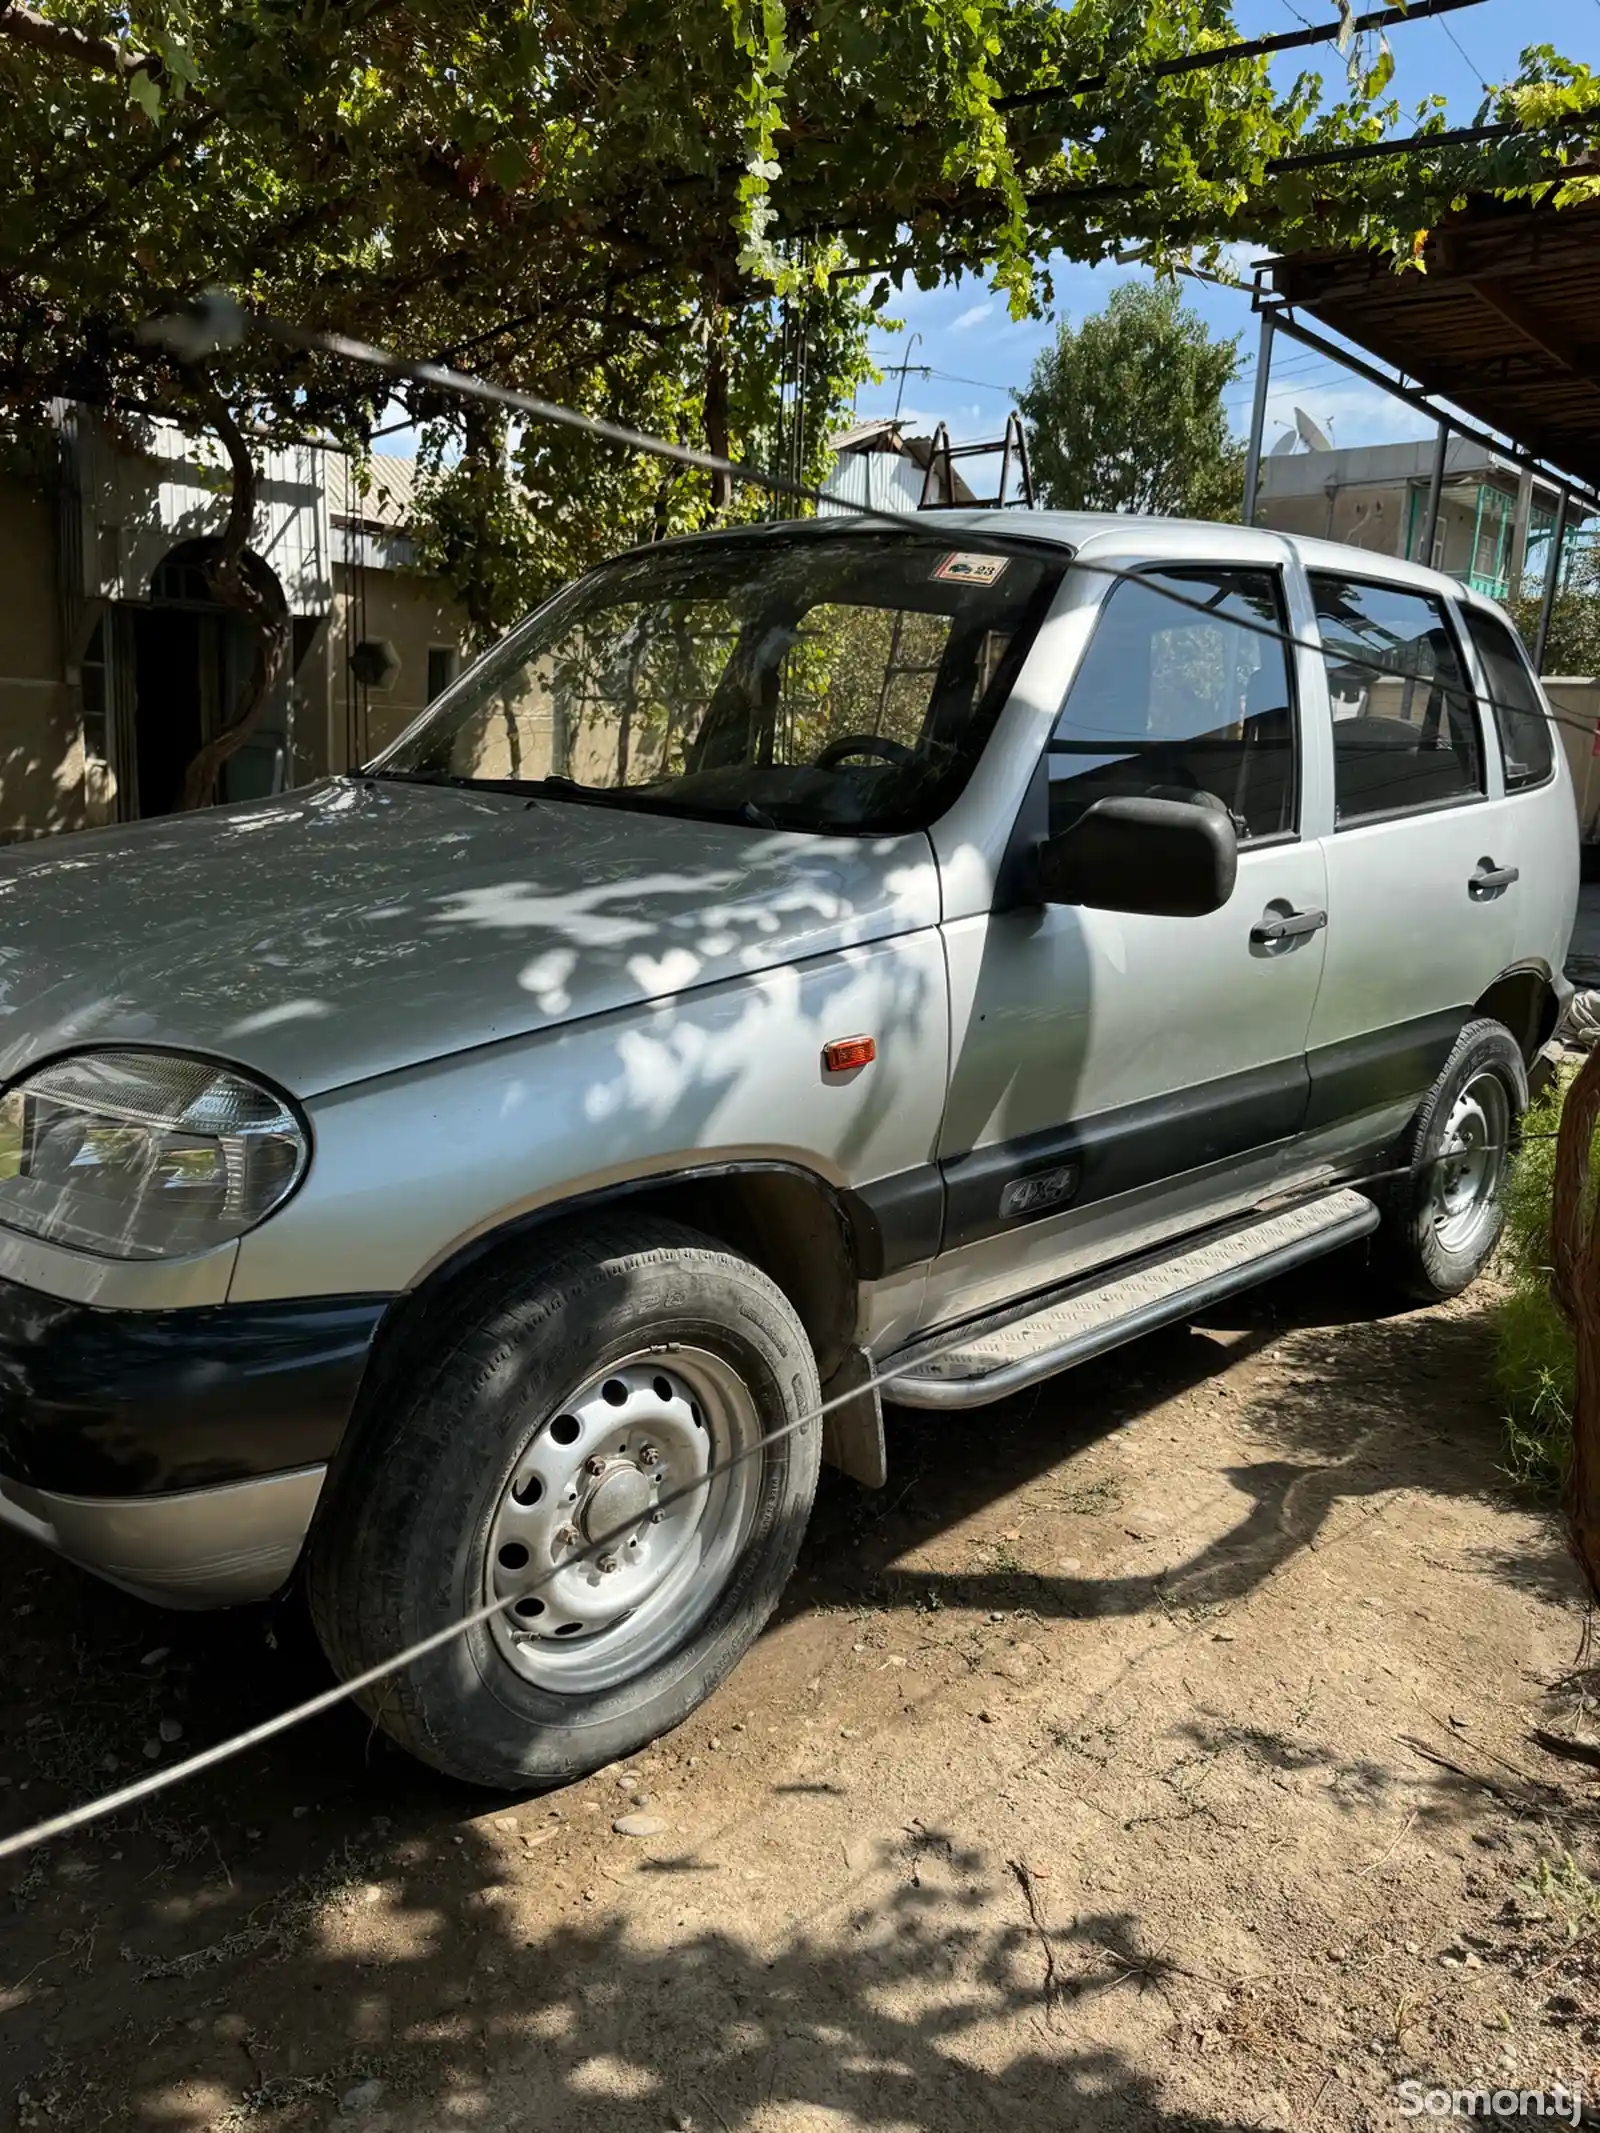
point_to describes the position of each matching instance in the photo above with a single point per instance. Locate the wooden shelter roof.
(1504, 321)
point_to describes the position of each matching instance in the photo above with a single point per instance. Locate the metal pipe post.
(1258, 419)
(1552, 578)
(1430, 519)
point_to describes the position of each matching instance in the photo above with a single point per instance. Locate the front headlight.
(144, 1155)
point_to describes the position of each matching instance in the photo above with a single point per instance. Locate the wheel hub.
(607, 1535)
(620, 1499)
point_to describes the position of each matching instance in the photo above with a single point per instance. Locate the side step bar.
(1006, 1350)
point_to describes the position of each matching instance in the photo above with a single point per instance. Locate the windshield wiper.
(557, 787)
(519, 788)
(420, 777)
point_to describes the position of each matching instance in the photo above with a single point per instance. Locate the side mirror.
(1170, 858)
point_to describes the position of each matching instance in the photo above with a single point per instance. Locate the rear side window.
(1183, 699)
(1405, 730)
(1519, 715)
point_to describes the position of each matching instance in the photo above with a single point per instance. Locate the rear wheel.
(1445, 1217)
(611, 1446)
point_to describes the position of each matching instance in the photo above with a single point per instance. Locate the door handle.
(1487, 879)
(1267, 932)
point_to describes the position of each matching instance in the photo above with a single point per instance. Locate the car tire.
(1443, 1219)
(613, 1368)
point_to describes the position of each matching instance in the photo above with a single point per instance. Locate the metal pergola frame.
(1277, 316)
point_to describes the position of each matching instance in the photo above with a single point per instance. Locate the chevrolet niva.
(789, 960)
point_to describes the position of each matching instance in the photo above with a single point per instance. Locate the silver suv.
(790, 960)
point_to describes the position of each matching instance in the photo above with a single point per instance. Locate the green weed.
(1534, 1365)
(1572, 1894)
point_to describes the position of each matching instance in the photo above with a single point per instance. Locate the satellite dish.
(1284, 446)
(1316, 438)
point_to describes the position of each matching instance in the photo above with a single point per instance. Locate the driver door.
(1120, 1077)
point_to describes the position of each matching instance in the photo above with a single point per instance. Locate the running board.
(1006, 1350)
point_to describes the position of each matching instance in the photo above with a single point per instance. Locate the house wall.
(1576, 698)
(41, 740)
(118, 514)
(134, 506)
(410, 612)
(1376, 518)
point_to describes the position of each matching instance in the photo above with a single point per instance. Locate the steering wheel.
(869, 744)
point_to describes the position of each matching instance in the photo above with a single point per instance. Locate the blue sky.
(979, 356)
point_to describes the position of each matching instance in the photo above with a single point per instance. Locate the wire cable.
(75, 1818)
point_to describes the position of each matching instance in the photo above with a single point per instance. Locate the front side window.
(1519, 714)
(1183, 698)
(1405, 734)
(826, 682)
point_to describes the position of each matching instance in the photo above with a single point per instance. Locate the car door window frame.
(1180, 567)
(1455, 629)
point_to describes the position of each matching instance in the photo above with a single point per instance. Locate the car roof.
(1126, 537)
(1188, 540)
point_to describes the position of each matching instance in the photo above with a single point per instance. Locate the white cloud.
(1239, 262)
(972, 316)
(1351, 414)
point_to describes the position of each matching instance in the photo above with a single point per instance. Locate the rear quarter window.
(1526, 744)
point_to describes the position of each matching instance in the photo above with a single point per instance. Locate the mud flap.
(852, 1432)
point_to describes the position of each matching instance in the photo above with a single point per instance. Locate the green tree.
(604, 204)
(1125, 412)
(1573, 643)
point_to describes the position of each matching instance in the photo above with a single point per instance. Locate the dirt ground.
(1154, 1753)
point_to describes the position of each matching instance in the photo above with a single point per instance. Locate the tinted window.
(822, 682)
(1405, 733)
(1520, 717)
(1183, 701)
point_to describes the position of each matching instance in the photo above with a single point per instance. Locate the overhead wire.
(216, 321)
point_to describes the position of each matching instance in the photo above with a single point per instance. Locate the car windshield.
(814, 681)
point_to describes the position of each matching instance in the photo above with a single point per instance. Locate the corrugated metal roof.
(883, 435)
(891, 476)
(390, 497)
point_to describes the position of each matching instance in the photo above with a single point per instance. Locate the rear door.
(1541, 820)
(1421, 890)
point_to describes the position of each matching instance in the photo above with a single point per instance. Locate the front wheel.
(613, 1443)
(1445, 1218)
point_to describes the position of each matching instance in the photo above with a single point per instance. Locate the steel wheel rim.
(1464, 1193)
(595, 1470)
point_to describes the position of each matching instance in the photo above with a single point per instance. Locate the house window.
(96, 708)
(444, 664)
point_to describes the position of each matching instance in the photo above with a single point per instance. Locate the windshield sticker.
(972, 569)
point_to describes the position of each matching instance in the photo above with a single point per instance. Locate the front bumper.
(199, 1548)
(179, 1453)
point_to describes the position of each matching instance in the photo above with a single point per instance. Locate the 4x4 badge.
(1031, 1196)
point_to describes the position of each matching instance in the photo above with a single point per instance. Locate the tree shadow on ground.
(1380, 1399)
(596, 2027)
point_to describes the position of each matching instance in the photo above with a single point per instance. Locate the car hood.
(360, 926)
